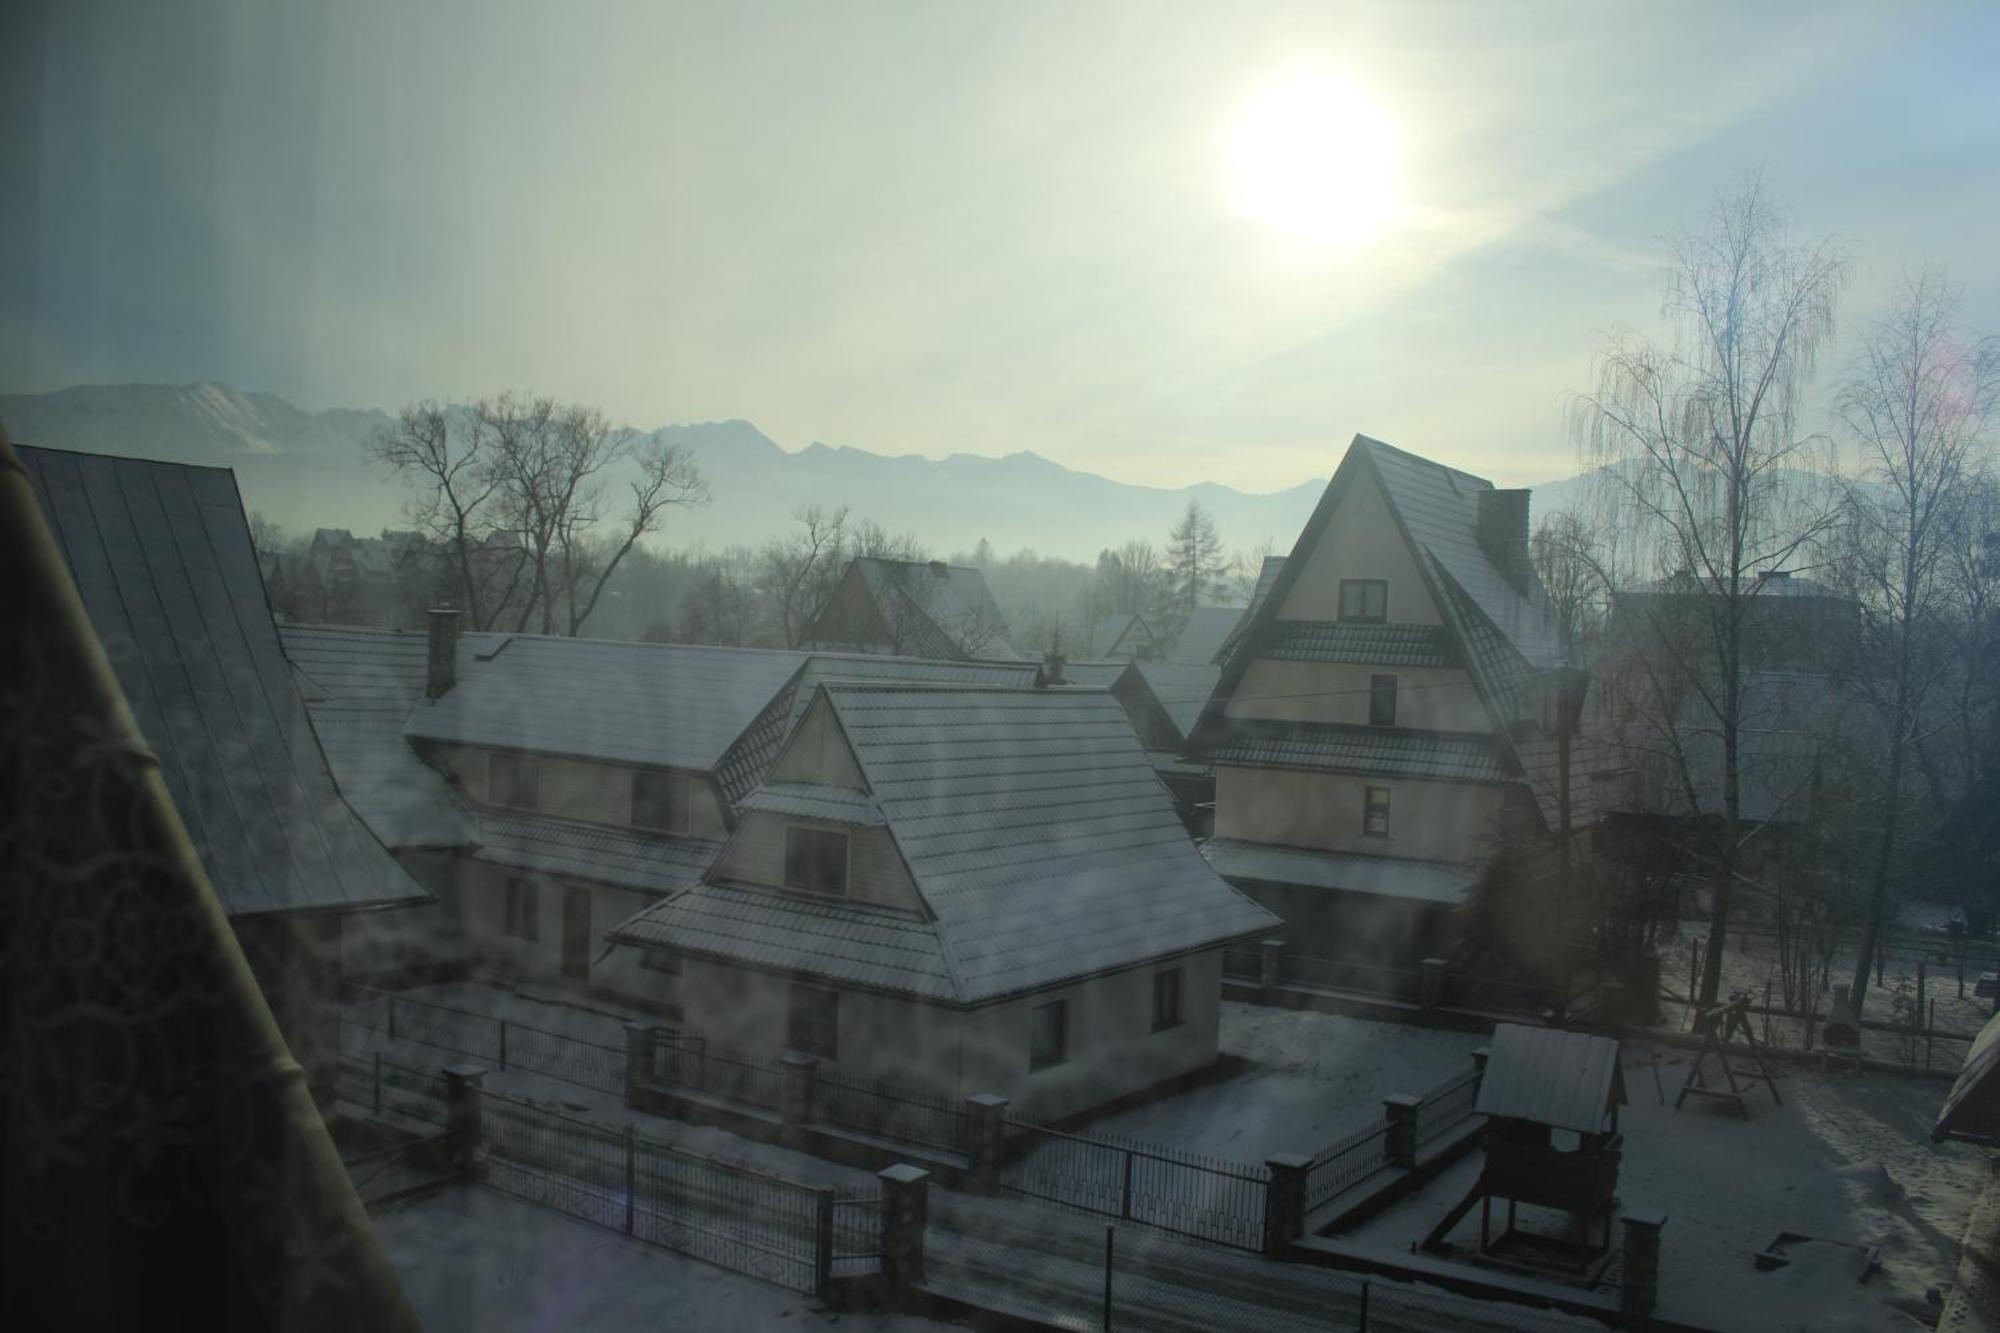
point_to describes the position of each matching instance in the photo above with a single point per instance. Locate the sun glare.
(1315, 158)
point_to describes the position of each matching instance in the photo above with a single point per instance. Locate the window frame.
(1060, 1056)
(1381, 687)
(522, 892)
(846, 860)
(812, 1020)
(679, 796)
(527, 764)
(1362, 586)
(1369, 809)
(1175, 1015)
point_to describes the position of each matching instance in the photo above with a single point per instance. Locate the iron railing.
(911, 1115)
(1168, 1188)
(503, 1043)
(1447, 1106)
(1346, 1162)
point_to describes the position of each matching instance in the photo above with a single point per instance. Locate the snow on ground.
(473, 1260)
(1847, 1158)
(1307, 1079)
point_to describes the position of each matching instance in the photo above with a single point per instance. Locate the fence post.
(461, 1116)
(631, 1179)
(1433, 982)
(638, 1059)
(1285, 1202)
(1639, 1289)
(378, 1083)
(795, 1098)
(1399, 1144)
(1267, 965)
(822, 1240)
(986, 1130)
(1125, 1192)
(503, 1045)
(905, 1213)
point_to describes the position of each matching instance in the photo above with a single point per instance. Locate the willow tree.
(1698, 441)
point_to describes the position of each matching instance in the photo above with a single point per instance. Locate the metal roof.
(359, 685)
(1096, 675)
(1370, 645)
(814, 800)
(1035, 830)
(1181, 689)
(1444, 882)
(161, 555)
(670, 705)
(615, 856)
(1971, 1109)
(935, 609)
(1332, 747)
(1204, 634)
(1569, 1080)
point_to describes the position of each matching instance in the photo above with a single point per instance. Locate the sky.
(952, 227)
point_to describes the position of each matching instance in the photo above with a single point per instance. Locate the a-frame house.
(1388, 701)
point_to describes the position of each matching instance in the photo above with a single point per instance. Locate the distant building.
(911, 608)
(162, 557)
(1386, 698)
(1201, 639)
(1121, 637)
(957, 891)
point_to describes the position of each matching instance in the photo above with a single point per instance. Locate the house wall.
(483, 926)
(1427, 698)
(818, 752)
(596, 793)
(875, 872)
(1441, 821)
(1360, 541)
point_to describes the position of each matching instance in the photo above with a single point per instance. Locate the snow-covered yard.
(1306, 1079)
(1847, 1158)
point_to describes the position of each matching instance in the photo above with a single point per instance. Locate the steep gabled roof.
(1180, 689)
(669, 705)
(935, 609)
(1035, 831)
(1569, 1080)
(1113, 629)
(161, 554)
(1204, 634)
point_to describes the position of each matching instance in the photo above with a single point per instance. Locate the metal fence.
(1169, 1188)
(503, 1043)
(385, 1086)
(1346, 1162)
(1447, 1106)
(689, 1061)
(734, 1216)
(911, 1115)
(857, 1237)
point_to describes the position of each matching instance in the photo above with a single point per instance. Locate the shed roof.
(1569, 1080)
(1442, 882)
(161, 555)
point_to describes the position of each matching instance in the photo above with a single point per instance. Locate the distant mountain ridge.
(309, 469)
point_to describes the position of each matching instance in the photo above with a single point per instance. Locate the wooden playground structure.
(1715, 1028)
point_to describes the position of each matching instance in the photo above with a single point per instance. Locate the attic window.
(816, 860)
(660, 800)
(1364, 601)
(1375, 813)
(513, 780)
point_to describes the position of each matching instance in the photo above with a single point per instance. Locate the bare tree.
(1695, 439)
(443, 458)
(1194, 559)
(1917, 402)
(1569, 560)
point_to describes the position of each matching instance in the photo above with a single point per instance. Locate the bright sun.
(1315, 158)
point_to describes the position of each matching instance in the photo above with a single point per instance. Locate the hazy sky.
(937, 227)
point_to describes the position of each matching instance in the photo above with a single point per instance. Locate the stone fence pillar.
(462, 1119)
(1433, 982)
(985, 1138)
(795, 1099)
(639, 1071)
(1640, 1288)
(1285, 1202)
(905, 1214)
(1399, 1145)
(1267, 964)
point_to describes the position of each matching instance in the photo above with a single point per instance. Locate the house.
(546, 788)
(1164, 701)
(1122, 636)
(1386, 699)
(162, 559)
(958, 891)
(911, 608)
(1204, 634)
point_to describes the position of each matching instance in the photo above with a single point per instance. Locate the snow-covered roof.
(162, 558)
(1971, 1109)
(1095, 675)
(1443, 882)
(1204, 634)
(1181, 689)
(1113, 630)
(625, 858)
(1333, 747)
(1035, 830)
(1569, 1080)
(669, 705)
(1372, 645)
(935, 609)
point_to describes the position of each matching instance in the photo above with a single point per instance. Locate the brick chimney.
(441, 671)
(1503, 533)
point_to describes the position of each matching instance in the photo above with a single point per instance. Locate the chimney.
(1053, 662)
(442, 670)
(1503, 533)
(940, 569)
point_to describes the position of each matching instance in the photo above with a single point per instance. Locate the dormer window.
(660, 800)
(816, 860)
(514, 780)
(1364, 601)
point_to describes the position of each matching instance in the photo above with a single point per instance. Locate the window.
(513, 779)
(660, 800)
(1381, 701)
(814, 1028)
(1048, 1034)
(1375, 815)
(1364, 600)
(1167, 999)
(659, 960)
(816, 860)
(524, 919)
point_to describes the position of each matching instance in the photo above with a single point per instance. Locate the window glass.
(1381, 701)
(1167, 999)
(816, 860)
(1375, 814)
(1048, 1034)
(1365, 600)
(660, 800)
